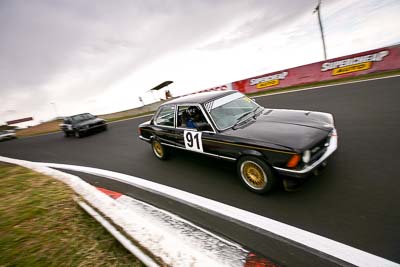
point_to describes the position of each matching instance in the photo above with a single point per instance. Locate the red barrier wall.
(377, 60)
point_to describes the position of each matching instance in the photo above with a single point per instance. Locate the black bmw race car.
(82, 124)
(228, 125)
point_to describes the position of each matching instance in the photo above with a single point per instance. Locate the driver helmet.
(192, 111)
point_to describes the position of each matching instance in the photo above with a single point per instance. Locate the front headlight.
(306, 156)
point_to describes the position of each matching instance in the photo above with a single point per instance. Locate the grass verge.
(129, 116)
(43, 128)
(41, 225)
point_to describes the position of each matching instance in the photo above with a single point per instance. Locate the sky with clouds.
(100, 56)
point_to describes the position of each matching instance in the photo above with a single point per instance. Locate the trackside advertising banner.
(383, 59)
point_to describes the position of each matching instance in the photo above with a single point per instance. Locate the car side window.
(192, 117)
(182, 116)
(165, 116)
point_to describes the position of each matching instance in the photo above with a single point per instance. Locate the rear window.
(165, 116)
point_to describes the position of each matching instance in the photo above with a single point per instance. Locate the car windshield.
(82, 117)
(231, 109)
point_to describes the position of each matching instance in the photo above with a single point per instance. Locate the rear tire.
(159, 150)
(256, 175)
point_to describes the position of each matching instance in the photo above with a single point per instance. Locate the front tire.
(159, 150)
(78, 134)
(256, 175)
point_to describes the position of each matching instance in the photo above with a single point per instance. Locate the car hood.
(297, 130)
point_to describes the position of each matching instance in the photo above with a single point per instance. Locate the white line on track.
(313, 241)
(329, 85)
(138, 117)
(278, 93)
(293, 91)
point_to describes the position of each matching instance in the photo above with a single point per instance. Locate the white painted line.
(292, 91)
(323, 86)
(315, 242)
(268, 94)
(121, 238)
(295, 90)
(148, 115)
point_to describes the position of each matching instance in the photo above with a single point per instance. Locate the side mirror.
(253, 99)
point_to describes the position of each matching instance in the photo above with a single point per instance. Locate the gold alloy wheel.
(158, 150)
(253, 175)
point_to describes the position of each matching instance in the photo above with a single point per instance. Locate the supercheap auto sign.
(354, 64)
(259, 83)
(268, 81)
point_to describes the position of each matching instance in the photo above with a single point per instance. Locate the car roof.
(67, 117)
(200, 98)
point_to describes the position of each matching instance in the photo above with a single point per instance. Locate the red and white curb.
(148, 261)
(166, 238)
(224, 252)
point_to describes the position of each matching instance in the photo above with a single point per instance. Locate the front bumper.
(7, 137)
(94, 127)
(308, 169)
(144, 139)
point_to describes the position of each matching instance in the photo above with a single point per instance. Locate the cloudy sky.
(99, 56)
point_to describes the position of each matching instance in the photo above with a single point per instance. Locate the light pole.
(55, 108)
(317, 9)
(141, 100)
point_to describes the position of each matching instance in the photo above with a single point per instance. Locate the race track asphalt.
(354, 201)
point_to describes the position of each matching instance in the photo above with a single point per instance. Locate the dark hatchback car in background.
(265, 143)
(82, 124)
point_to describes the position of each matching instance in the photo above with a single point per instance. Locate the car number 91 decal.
(193, 140)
